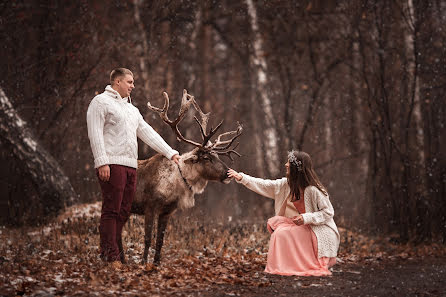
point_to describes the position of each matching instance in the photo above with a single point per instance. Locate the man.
(113, 127)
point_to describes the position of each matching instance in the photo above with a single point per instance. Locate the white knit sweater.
(113, 127)
(318, 210)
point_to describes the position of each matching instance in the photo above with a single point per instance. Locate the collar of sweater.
(115, 95)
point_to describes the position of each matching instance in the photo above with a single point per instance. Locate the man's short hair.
(119, 72)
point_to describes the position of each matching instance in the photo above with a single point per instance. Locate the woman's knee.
(281, 232)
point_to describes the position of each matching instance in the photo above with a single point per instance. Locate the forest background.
(357, 84)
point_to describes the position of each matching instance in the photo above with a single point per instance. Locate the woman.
(304, 237)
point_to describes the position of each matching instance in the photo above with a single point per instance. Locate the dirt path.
(414, 277)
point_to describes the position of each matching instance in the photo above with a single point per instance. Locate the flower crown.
(293, 160)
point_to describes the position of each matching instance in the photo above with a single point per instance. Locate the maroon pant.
(117, 197)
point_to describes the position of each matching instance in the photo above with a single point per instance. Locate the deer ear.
(191, 159)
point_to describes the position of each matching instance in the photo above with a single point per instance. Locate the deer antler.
(221, 147)
(217, 146)
(207, 137)
(203, 124)
(229, 151)
(186, 101)
(204, 119)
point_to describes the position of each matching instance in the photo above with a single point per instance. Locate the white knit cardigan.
(113, 127)
(318, 210)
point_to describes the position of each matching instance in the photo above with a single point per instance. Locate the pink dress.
(293, 249)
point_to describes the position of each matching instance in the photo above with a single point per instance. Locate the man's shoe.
(116, 265)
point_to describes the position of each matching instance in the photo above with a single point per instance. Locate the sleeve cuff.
(98, 162)
(171, 154)
(244, 180)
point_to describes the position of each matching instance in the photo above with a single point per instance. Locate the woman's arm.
(325, 209)
(265, 187)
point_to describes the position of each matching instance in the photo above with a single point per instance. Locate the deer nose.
(226, 179)
(224, 176)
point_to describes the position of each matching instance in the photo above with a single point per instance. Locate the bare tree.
(143, 50)
(52, 187)
(260, 70)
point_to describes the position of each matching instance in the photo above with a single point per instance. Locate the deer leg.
(162, 224)
(148, 226)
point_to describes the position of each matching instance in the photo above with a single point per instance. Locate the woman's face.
(287, 166)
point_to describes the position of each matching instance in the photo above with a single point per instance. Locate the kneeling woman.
(304, 237)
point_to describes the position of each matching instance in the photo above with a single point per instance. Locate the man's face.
(124, 85)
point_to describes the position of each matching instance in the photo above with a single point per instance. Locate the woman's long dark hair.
(302, 175)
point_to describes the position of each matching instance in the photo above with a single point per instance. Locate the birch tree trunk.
(259, 66)
(358, 136)
(144, 49)
(421, 210)
(39, 169)
(357, 103)
(206, 54)
(165, 65)
(410, 40)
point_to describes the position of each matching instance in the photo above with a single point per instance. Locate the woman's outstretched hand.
(234, 174)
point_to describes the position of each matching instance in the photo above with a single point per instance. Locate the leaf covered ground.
(203, 259)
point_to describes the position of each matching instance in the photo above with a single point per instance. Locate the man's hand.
(176, 158)
(299, 220)
(104, 172)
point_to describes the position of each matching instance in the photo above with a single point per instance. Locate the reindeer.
(164, 186)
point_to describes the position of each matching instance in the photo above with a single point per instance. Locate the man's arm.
(95, 124)
(155, 141)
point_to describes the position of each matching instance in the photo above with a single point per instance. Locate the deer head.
(205, 157)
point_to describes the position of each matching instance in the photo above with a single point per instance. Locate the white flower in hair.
(293, 160)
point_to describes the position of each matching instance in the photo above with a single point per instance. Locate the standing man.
(113, 127)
